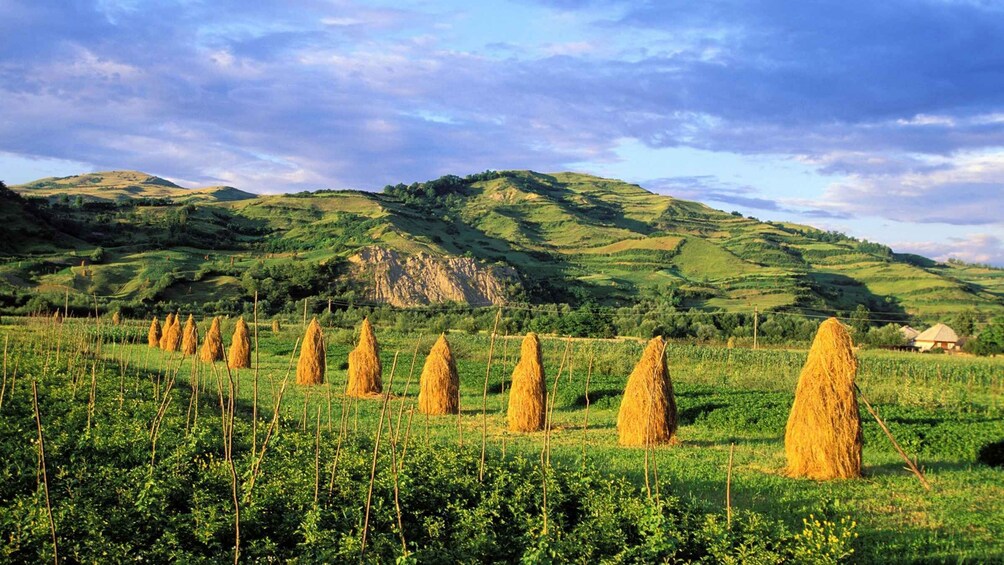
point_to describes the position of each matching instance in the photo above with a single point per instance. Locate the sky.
(883, 120)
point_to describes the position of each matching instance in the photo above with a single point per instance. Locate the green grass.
(942, 409)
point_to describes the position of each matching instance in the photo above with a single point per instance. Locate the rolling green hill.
(561, 237)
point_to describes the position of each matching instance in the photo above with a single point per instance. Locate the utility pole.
(756, 319)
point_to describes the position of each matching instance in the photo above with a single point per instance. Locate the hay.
(528, 390)
(276, 326)
(190, 337)
(168, 322)
(439, 387)
(823, 437)
(117, 318)
(212, 347)
(364, 364)
(240, 347)
(153, 336)
(310, 368)
(172, 334)
(648, 410)
(57, 316)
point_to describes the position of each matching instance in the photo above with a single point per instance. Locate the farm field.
(127, 443)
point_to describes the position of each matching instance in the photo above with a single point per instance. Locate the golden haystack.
(439, 388)
(528, 391)
(212, 347)
(153, 337)
(190, 337)
(117, 318)
(57, 316)
(648, 409)
(172, 334)
(168, 322)
(240, 347)
(364, 364)
(276, 326)
(310, 368)
(823, 437)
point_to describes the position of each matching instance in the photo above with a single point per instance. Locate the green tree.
(991, 339)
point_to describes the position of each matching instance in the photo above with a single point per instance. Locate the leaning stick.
(910, 465)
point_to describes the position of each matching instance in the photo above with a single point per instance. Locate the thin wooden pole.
(910, 464)
(376, 451)
(728, 487)
(45, 474)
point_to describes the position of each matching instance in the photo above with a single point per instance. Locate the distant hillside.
(561, 237)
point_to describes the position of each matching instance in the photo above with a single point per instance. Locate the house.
(938, 335)
(909, 334)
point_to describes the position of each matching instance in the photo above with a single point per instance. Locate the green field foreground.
(941, 409)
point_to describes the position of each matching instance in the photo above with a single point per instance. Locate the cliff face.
(412, 280)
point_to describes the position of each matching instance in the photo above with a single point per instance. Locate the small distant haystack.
(276, 326)
(439, 388)
(168, 322)
(173, 334)
(190, 337)
(212, 347)
(117, 318)
(57, 316)
(240, 347)
(364, 364)
(648, 410)
(153, 336)
(310, 368)
(823, 437)
(528, 391)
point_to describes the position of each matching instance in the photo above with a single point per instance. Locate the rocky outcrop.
(412, 280)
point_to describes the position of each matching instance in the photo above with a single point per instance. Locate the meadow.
(149, 453)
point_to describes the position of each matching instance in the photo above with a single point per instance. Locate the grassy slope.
(612, 239)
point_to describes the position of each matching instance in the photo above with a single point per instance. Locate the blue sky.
(884, 120)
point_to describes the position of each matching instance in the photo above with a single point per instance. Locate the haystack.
(172, 334)
(57, 316)
(117, 318)
(168, 322)
(190, 337)
(310, 368)
(364, 364)
(439, 388)
(212, 347)
(153, 336)
(648, 409)
(276, 326)
(823, 437)
(240, 347)
(528, 391)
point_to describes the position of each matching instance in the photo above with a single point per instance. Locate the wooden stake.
(45, 474)
(728, 487)
(376, 450)
(910, 464)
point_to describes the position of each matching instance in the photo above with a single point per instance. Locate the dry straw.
(172, 334)
(117, 318)
(364, 364)
(439, 387)
(190, 337)
(240, 347)
(823, 437)
(528, 390)
(153, 336)
(276, 326)
(648, 410)
(310, 368)
(212, 347)
(168, 322)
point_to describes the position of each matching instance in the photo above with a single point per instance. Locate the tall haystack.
(648, 409)
(528, 391)
(190, 337)
(823, 437)
(310, 368)
(364, 364)
(168, 322)
(240, 347)
(439, 388)
(212, 347)
(276, 326)
(153, 336)
(57, 316)
(172, 334)
(117, 318)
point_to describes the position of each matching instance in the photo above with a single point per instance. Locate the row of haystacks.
(822, 438)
